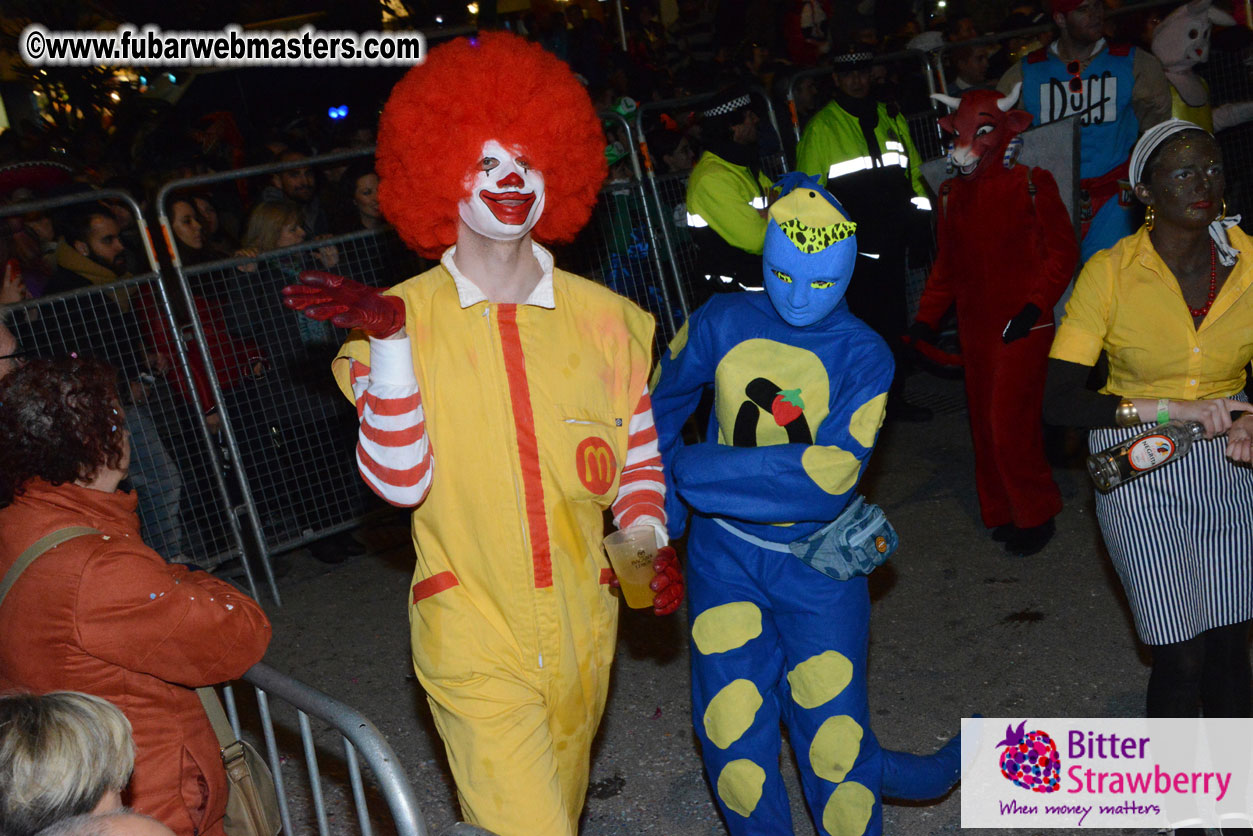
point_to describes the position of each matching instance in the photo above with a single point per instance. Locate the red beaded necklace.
(1213, 285)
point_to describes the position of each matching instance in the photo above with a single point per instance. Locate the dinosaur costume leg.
(737, 665)
(773, 639)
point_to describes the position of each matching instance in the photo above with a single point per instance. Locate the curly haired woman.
(102, 613)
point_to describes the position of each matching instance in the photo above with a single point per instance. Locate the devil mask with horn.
(983, 123)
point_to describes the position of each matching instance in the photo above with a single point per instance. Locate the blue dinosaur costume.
(800, 386)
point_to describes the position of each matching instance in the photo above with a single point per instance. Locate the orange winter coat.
(108, 616)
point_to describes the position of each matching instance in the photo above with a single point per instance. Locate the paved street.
(958, 627)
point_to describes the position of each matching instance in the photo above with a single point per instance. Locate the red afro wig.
(496, 86)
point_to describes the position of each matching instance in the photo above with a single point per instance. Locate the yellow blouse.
(1128, 303)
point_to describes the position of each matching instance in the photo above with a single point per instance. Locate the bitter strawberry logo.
(1030, 759)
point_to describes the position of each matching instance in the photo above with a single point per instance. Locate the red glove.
(11, 288)
(668, 583)
(347, 304)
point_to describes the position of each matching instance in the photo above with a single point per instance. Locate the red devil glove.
(667, 583)
(347, 304)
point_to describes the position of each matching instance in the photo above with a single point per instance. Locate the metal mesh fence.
(296, 432)
(185, 507)
(925, 133)
(173, 469)
(286, 433)
(619, 248)
(929, 142)
(670, 196)
(1229, 74)
(622, 246)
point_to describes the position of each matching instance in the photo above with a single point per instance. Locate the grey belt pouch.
(858, 541)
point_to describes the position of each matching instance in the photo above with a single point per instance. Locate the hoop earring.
(1149, 218)
(1223, 216)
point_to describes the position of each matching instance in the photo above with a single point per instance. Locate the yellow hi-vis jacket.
(833, 146)
(512, 625)
(724, 197)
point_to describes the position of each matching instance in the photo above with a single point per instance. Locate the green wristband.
(1163, 411)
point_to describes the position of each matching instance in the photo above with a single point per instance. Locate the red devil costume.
(1007, 250)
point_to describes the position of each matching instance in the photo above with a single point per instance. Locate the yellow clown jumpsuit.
(512, 623)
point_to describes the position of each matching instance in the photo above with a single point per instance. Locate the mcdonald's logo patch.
(595, 464)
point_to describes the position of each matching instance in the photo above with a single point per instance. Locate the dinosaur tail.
(921, 777)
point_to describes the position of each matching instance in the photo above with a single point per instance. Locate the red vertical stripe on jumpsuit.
(528, 446)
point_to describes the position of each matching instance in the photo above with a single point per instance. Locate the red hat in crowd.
(1061, 7)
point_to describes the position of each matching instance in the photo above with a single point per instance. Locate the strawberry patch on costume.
(787, 407)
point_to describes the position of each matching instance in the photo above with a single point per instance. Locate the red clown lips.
(509, 207)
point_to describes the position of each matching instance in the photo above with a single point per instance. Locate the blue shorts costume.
(800, 387)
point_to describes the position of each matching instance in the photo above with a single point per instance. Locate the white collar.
(468, 292)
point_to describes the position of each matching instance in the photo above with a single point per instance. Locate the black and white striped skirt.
(1181, 539)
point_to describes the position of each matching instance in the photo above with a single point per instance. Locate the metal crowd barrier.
(302, 798)
(621, 246)
(287, 432)
(1230, 79)
(668, 190)
(669, 195)
(183, 498)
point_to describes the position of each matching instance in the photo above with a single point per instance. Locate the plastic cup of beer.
(631, 553)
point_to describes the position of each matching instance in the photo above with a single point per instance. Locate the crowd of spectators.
(254, 229)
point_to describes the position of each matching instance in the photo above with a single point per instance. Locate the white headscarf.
(1149, 142)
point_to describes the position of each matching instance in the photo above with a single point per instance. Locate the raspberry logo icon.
(1030, 759)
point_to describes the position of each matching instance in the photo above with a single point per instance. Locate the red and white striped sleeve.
(642, 489)
(393, 451)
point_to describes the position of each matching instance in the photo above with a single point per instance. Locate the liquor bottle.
(1143, 452)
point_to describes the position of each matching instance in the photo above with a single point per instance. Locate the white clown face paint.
(505, 196)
